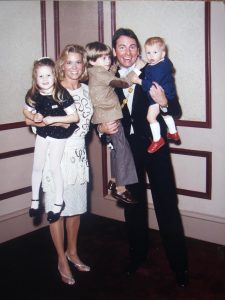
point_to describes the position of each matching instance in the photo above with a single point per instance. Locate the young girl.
(48, 102)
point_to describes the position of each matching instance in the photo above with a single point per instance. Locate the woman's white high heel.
(67, 279)
(80, 267)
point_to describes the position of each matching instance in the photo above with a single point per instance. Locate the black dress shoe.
(182, 278)
(132, 268)
(124, 197)
(35, 212)
(112, 186)
(135, 264)
(52, 216)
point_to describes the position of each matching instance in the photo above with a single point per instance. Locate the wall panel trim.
(43, 28)
(15, 193)
(100, 22)
(187, 123)
(12, 125)
(56, 28)
(208, 176)
(208, 179)
(20, 191)
(14, 153)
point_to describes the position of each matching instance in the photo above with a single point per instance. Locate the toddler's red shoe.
(173, 136)
(156, 145)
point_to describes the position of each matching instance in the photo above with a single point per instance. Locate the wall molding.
(12, 125)
(197, 225)
(208, 176)
(43, 28)
(13, 153)
(208, 104)
(100, 22)
(56, 28)
(15, 193)
(208, 179)
(23, 190)
(208, 109)
(15, 125)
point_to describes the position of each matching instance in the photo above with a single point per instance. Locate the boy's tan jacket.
(104, 99)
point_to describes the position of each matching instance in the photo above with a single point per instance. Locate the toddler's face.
(154, 53)
(103, 61)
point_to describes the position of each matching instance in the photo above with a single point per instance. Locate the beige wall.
(203, 219)
(75, 15)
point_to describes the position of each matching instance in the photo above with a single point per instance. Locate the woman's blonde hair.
(71, 48)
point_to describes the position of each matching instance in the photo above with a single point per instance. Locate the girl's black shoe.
(53, 217)
(35, 212)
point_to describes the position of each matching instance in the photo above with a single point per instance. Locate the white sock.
(170, 124)
(35, 204)
(155, 128)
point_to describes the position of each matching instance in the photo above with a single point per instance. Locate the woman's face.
(73, 66)
(126, 51)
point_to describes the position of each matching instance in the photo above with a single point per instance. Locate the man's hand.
(108, 128)
(158, 95)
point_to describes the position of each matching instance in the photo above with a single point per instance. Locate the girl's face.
(73, 66)
(103, 61)
(45, 79)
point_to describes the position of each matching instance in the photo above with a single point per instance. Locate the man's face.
(126, 51)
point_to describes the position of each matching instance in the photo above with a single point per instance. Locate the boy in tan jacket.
(107, 108)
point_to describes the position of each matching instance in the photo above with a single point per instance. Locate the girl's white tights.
(54, 148)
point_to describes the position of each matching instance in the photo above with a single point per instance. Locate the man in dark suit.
(134, 103)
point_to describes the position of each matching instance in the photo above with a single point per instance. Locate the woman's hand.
(38, 118)
(109, 127)
(158, 95)
(49, 120)
(29, 122)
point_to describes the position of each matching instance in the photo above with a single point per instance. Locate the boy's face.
(154, 53)
(103, 61)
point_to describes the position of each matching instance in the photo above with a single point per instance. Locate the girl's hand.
(49, 120)
(38, 118)
(108, 128)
